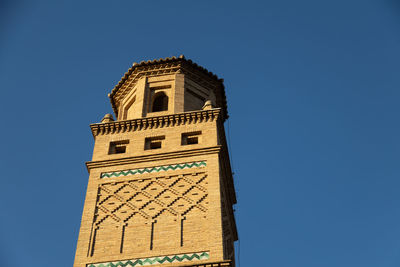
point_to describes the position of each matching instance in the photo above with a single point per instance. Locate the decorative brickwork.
(120, 205)
(120, 201)
(155, 169)
(154, 260)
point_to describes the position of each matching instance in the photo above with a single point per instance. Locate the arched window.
(160, 102)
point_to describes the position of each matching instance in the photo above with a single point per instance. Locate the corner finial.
(107, 118)
(207, 105)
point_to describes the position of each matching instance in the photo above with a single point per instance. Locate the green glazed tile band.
(154, 260)
(154, 169)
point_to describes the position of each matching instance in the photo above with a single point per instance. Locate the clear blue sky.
(313, 92)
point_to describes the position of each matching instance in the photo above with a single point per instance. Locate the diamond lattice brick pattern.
(177, 195)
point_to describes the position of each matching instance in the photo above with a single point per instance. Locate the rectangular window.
(118, 147)
(191, 138)
(153, 142)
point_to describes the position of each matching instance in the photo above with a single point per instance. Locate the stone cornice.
(169, 155)
(155, 122)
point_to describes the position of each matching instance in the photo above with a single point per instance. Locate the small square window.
(118, 147)
(153, 142)
(191, 138)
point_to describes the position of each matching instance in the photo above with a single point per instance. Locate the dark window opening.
(118, 147)
(190, 138)
(153, 142)
(160, 102)
(155, 145)
(119, 150)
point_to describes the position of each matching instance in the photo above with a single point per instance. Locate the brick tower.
(160, 188)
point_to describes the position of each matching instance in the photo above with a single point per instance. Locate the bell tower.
(160, 188)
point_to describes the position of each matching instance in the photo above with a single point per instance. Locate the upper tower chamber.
(160, 188)
(166, 86)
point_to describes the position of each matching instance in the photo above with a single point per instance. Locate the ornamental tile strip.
(154, 260)
(180, 166)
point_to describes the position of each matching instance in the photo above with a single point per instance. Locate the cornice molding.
(155, 122)
(161, 63)
(169, 155)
